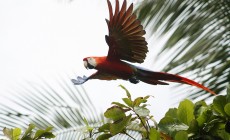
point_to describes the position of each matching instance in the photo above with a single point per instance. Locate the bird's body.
(115, 68)
(127, 44)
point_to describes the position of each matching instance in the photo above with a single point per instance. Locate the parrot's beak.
(85, 64)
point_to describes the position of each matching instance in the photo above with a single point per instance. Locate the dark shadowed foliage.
(199, 33)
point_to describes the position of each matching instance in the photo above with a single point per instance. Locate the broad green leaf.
(44, 133)
(171, 125)
(204, 117)
(154, 134)
(227, 109)
(120, 104)
(127, 92)
(199, 108)
(16, 133)
(219, 130)
(181, 135)
(104, 127)
(28, 130)
(218, 104)
(138, 101)
(8, 132)
(48, 129)
(185, 112)
(119, 126)
(212, 124)
(48, 135)
(128, 101)
(172, 112)
(143, 112)
(193, 127)
(115, 113)
(104, 137)
(39, 134)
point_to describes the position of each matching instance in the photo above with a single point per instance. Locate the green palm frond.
(199, 33)
(59, 104)
(45, 104)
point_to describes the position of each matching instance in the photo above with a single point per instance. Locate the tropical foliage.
(29, 134)
(132, 120)
(198, 38)
(58, 104)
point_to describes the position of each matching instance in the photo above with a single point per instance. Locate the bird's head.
(90, 62)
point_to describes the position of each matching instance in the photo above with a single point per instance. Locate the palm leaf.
(59, 104)
(64, 107)
(199, 35)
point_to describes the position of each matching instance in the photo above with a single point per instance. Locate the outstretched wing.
(96, 75)
(125, 39)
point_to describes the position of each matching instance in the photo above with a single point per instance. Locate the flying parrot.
(127, 45)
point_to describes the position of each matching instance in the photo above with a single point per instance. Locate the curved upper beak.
(85, 64)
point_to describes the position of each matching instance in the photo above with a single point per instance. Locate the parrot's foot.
(79, 80)
(134, 80)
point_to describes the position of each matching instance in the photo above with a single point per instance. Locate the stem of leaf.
(130, 136)
(146, 128)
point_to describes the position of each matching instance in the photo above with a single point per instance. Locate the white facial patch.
(85, 64)
(92, 61)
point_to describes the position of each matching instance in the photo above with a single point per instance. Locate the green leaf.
(227, 109)
(147, 97)
(154, 134)
(127, 92)
(138, 101)
(181, 135)
(171, 125)
(128, 101)
(219, 130)
(8, 132)
(16, 133)
(89, 128)
(218, 104)
(104, 137)
(142, 112)
(44, 133)
(27, 138)
(228, 93)
(120, 104)
(193, 127)
(28, 131)
(185, 112)
(119, 126)
(199, 108)
(12, 134)
(86, 122)
(212, 124)
(115, 113)
(39, 134)
(104, 127)
(204, 117)
(172, 112)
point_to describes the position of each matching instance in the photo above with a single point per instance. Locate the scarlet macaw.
(126, 42)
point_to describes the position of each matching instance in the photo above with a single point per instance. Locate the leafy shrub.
(29, 134)
(190, 121)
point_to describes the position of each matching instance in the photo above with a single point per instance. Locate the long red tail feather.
(155, 78)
